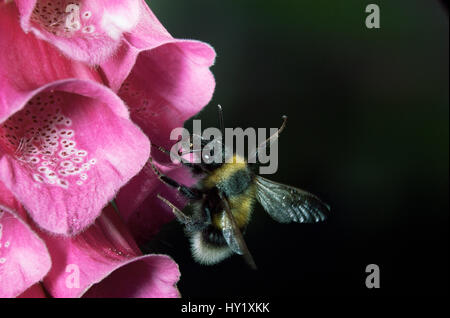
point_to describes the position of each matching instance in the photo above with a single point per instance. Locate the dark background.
(368, 132)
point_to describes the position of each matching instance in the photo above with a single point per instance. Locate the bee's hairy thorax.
(236, 181)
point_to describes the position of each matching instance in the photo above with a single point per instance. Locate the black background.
(368, 132)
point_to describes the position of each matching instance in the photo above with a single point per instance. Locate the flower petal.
(88, 31)
(165, 88)
(137, 201)
(103, 261)
(24, 259)
(153, 276)
(68, 151)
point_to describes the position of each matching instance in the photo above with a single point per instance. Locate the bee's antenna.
(222, 127)
(274, 136)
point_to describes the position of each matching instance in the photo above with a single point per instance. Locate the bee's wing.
(233, 235)
(229, 232)
(288, 204)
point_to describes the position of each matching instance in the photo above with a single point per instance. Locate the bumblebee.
(221, 203)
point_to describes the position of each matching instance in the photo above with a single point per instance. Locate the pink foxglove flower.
(88, 31)
(72, 135)
(104, 261)
(66, 140)
(163, 80)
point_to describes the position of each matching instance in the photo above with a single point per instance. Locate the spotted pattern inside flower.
(63, 18)
(42, 138)
(143, 106)
(3, 244)
(151, 111)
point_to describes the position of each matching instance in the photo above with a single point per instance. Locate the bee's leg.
(181, 217)
(207, 215)
(191, 223)
(189, 193)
